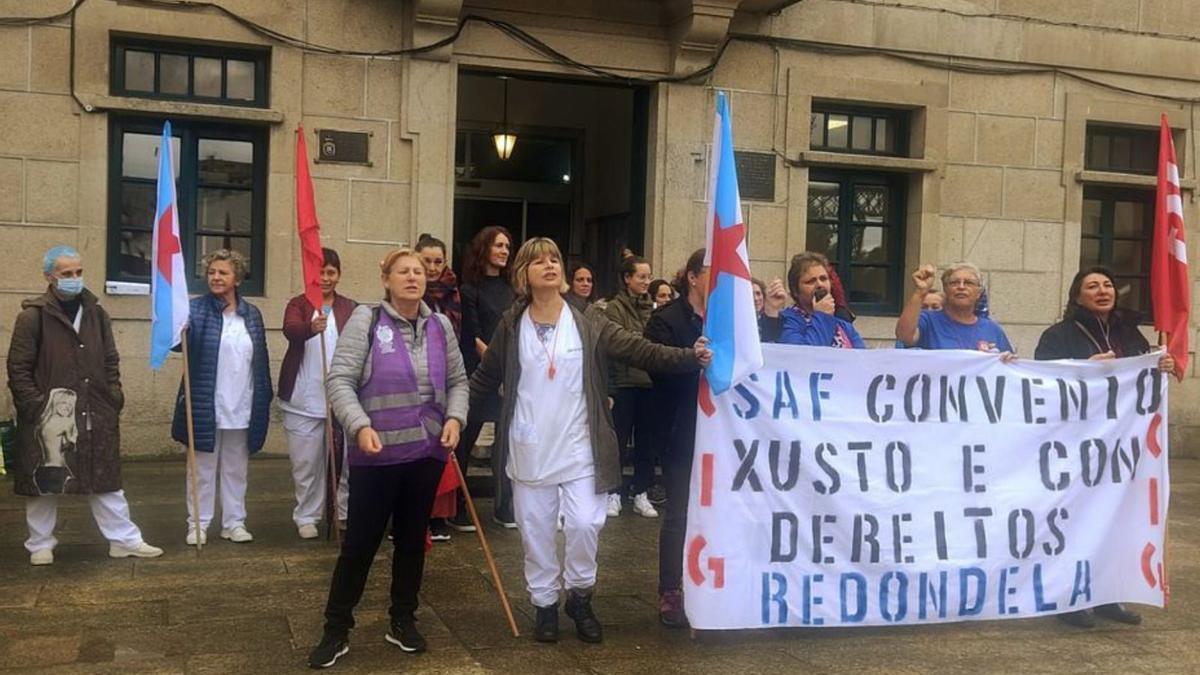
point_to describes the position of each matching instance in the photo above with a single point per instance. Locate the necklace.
(543, 330)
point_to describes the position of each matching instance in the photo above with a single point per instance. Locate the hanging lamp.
(504, 140)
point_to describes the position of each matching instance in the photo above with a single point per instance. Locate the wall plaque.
(342, 147)
(756, 175)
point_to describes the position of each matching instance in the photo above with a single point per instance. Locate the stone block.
(836, 22)
(766, 269)
(12, 189)
(51, 66)
(402, 155)
(1170, 16)
(333, 85)
(949, 242)
(362, 25)
(333, 206)
(993, 244)
(14, 57)
(900, 28)
(39, 125)
(743, 67)
(767, 232)
(1049, 151)
(379, 212)
(52, 195)
(383, 88)
(1034, 193)
(960, 137)
(1104, 13)
(979, 36)
(1006, 140)
(23, 272)
(1006, 94)
(753, 120)
(1043, 246)
(972, 190)
(1024, 297)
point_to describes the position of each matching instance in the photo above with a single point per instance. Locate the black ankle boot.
(545, 627)
(579, 608)
(1117, 612)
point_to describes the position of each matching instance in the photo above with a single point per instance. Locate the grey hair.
(959, 267)
(51, 258)
(235, 259)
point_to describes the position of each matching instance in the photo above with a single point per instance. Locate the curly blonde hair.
(235, 260)
(530, 251)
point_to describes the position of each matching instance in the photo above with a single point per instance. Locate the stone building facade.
(1012, 133)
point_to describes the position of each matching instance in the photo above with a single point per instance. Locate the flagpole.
(332, 475)
(1163, 338)
(487, 550)
(191, 450)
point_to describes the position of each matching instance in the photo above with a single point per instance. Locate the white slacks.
(310, 464)
(537, 511)
(110, 509)
(228, 462)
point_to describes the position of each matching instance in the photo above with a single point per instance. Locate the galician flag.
(168, 282)
(1169, 290)
(730, 322)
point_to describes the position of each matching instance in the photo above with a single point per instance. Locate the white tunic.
(235, 387)
(308, 395)
(549, 442)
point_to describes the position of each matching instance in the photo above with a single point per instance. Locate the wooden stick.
(193, 468)
(332, 477)
(487, 550)
(1166, 559)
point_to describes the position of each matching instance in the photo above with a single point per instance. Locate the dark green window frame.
(885, 131)
(1118, 232)
(260, 58)
(847, 226)
(1121, 149)
(188, 186)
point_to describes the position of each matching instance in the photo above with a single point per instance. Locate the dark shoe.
(657, 495)
(506, 522)
(670, 609)
(579, 608)
(332, 648)
(545, 627)
(404, 635)
(461, 521)
(438, 530)
(1117, 612)
(1080, 619)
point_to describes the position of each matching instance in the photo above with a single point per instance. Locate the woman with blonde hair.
(556, 429)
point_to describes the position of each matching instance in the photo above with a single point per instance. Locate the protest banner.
(852, 488)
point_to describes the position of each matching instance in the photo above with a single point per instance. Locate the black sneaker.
(505, 521)
(404, 635)
(438, 530)
(545, 627)
(1118, 612)
(461, 521)
(332, 648)
(579, 608)
(1082, 618)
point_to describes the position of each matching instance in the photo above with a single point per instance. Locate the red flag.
(311, 257)
(1169, 289)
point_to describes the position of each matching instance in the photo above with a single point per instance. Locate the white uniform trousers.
(537, 512)
(306, 448)
(230, 461)
(110, 509)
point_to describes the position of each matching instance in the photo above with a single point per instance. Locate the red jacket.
(297, 328)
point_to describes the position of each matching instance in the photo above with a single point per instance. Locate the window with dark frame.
(190, 72)
(221, 184)
(870, 131)
(1121, 149)
(856, 219)
(1117, 232)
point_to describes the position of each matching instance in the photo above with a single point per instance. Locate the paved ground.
(256, 607)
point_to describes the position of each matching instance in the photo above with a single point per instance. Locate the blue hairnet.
(54, 254)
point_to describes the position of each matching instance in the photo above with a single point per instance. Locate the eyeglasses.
(965, 283)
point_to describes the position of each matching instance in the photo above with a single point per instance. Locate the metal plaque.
(756, 175)
(343, 147)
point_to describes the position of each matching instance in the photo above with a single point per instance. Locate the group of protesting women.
(567, 382)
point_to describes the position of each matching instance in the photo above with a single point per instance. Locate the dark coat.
(297, 328)
(676, 324)
(52, 367)
(204, 348)
(1080, 336)
(483, 303)
(602, 340)
(631, 313)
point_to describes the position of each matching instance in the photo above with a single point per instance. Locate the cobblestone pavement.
(257, 607)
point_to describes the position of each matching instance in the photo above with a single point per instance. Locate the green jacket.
(631, 313)
(602, 340)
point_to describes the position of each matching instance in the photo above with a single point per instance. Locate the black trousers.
(677, 478)
(634, 415)
(502, 506)
(404, 493)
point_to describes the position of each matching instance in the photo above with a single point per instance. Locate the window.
(1118, 226)
(1122, 150)
(201, 73)
(221, 179)
(859, 130)
(856, 220)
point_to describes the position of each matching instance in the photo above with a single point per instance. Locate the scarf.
(442, 297)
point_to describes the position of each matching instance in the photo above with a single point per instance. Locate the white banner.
(856, 488)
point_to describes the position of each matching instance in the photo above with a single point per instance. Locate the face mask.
(70, 287)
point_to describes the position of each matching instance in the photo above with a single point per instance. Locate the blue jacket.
(204, 345)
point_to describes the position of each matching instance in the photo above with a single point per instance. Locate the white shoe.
(307, 531)
(614, 505)
(142, 550)
(238, 535)
(643, 507)
(42, 557)
(191, 537)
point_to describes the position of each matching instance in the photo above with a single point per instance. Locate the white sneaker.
(191, 537)
(238, 535)
(643, 507)
(307, 531)
(142, 550)
(42, 557)
(614, 505)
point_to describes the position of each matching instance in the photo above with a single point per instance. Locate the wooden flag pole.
(487, 550)
(332, 476)
(1166, 559)
(193, 468)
